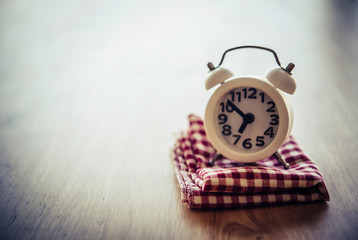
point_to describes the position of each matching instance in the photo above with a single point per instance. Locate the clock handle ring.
(287, 69)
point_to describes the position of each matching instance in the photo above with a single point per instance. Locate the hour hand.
(236, 109)
(243, 127)
(248, 118)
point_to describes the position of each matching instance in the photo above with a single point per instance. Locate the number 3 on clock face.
(247, 119)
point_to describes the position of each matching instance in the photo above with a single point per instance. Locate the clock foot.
(278, 157)
(216, 157)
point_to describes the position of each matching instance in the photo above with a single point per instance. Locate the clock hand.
(248, 118)
(243, 126)
(236, 109)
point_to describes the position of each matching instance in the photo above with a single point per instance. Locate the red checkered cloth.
(227, 183)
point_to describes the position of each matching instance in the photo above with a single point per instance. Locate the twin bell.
(279, 77)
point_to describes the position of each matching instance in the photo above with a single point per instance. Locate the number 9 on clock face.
(247, 119)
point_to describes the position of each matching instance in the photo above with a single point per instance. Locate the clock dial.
(247, 119)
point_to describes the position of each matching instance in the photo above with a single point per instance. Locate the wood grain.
(92, 95)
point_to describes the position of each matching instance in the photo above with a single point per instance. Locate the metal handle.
(287, 69)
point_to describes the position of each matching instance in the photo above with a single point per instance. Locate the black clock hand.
(243, 126)
(236, 109)
(249, 118)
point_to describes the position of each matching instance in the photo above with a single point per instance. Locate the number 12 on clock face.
(248, 119)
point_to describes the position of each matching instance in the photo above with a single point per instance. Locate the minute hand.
(236, 109)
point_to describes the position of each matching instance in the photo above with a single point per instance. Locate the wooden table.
(94, 93)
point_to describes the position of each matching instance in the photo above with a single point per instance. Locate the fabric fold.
(227, 183)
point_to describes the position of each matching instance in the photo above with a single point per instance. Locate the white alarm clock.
(248, 118)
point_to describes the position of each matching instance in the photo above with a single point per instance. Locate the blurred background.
(158, 50)
(94, 91)
(116, 52)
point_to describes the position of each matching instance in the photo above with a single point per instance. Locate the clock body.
(247, 119)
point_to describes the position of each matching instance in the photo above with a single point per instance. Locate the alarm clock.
(248, 118)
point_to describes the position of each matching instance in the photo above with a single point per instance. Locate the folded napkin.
(227, 183)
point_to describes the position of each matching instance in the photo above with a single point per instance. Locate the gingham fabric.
(227, 183)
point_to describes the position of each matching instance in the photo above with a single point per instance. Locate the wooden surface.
(92, 94)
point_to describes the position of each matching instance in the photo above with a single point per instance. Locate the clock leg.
(216, 157)
(278, 157)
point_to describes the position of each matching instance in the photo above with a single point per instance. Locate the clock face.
(247, 119)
